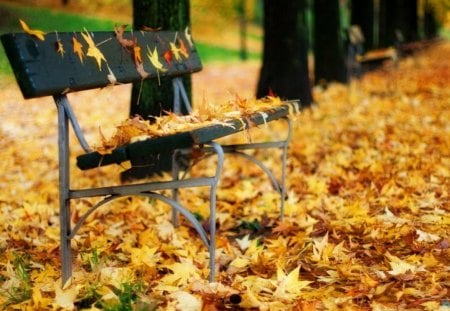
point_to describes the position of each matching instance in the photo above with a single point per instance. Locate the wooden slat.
(185, 139)
(42, 71)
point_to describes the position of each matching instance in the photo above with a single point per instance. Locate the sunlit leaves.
(78, 48)
(154, 60)
(93, 50)
(366, 216)
(32, 32)
(60, 47)
(136, 128)
(65, 298)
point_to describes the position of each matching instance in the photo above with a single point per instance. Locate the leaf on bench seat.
(240, 114)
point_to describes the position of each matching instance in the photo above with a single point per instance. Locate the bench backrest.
(72, 61)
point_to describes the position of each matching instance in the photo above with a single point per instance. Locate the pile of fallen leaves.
(366, 223)
(204, 114)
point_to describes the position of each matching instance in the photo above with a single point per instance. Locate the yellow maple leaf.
(183, 49)
(320, 249)
(238, 265)
(32, 32)
(182, 273)
(78, 48)
(116, 276)
(60, 47)
(184, 301)
(245, 242)
(289, 285)
(144, 256)
(93, 51)
(400, 267)
(39, 301)
(154, 59)
(65, 298)
(175, 51)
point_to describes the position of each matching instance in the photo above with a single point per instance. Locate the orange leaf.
(183, 49)
(32, 32)
(146, 28)
(137, 54)
(168, 56)
(60, 47)
(78, 48)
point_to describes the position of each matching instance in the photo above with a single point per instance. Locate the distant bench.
(360, 61)
(68, 62)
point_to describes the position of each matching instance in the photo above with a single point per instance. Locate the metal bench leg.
(283, 168)
(283, 181)
(175, 192)
(64, 196)
(212, 217)
(218, 150)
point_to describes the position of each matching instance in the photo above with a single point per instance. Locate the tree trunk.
(362, 14)
(284, 70)
(151, 98)
(240, 9)
(329, 51)
(400, 21)
(430, 23)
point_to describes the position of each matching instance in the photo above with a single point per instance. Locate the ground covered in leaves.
(366, 222)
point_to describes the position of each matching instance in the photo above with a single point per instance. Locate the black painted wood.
(137, 151)
(41, 70)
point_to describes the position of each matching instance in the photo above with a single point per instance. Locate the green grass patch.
(212, 53)
(445, 33)
(46, 20)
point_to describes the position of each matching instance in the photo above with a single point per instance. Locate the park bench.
(360, 61)
(60, 63)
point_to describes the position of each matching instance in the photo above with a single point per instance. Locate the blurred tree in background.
(284, 69)
(151, 97)
(398, 21)
(362, 14)
(329, 49)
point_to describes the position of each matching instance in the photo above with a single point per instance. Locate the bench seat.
(185, 139)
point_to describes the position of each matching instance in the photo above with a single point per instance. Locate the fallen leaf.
(78, 48)
(65, 298)
(93, 51)
(60, 48)
(32, 32)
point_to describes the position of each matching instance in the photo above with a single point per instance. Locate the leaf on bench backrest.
(78, 48)
(33, 32)
(72, 61)
(93, 51)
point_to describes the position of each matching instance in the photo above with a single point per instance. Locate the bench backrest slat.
(42, 70)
